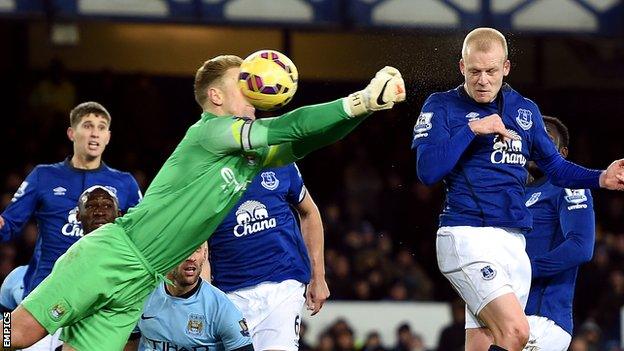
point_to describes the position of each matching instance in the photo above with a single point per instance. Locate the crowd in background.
(379, 221)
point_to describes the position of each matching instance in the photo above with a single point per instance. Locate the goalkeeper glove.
(383, 91)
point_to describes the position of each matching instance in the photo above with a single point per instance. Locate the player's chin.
(95, 153)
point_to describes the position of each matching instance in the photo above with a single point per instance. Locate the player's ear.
(462, 66)
(506, 67)
(215, 95)
(70, 133)
(564, 151)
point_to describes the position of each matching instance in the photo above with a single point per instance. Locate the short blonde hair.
(212, 71)
(481, 39)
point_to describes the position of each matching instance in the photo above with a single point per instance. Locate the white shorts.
(273, 313)
(545, 335)
(48, 343)
(483, 263)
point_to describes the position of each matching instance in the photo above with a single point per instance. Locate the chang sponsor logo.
(252, 217)
(508, 151)
(73, 226)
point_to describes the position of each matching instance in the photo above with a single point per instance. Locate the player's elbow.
(429, 169)
(428, 176)
(587, 254)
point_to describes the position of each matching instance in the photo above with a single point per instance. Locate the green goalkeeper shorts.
(95, 292)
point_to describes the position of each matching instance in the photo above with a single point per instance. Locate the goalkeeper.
(120, 264)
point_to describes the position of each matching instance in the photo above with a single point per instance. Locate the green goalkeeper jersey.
(210, 169)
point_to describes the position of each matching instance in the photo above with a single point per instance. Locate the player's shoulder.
(442, 96)
(211, 291)
(51, 167)
(575, 198)
(288, 168)
(513, 93)
(16, 275)
(116, 173)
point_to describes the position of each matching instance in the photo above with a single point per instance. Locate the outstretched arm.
(566, 174)
(306, 128)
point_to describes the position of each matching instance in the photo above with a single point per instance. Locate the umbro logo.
(472, 116)
(59, 191)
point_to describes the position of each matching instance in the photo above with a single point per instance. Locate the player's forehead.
(98, 193)
(231, 74)
(93, 119)
(492, 57)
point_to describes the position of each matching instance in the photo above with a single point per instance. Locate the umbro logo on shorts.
(488, 273)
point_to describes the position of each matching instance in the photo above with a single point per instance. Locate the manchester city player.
(562, 239)
(96, 206)
(478, 138)
(190, 314)
(259, 257)
(120, 264)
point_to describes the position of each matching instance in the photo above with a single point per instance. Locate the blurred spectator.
(417, 283)
(345, 341)
(398, 291)
(417, 344)
(591, 333)
(362, 290)
(404, 338)
(608, 316)
(53, 95)
(373, 342)
(325, 342)
(303, 341)
(339, 278)
(453, 335)
(7, 259)
(579, 344)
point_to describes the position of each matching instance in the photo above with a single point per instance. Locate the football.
(268, 79)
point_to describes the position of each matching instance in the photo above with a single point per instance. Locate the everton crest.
(269, 180)
(524, 119)
(488, 272)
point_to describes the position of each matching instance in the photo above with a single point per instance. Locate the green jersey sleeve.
(226, 135)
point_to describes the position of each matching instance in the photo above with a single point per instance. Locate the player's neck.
(85, 162)
(217, 111)
(180, 291)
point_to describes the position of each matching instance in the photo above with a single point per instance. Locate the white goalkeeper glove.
(383, 91)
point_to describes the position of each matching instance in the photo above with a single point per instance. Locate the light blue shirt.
(12, 290)
(202, 320)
